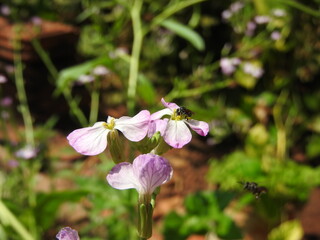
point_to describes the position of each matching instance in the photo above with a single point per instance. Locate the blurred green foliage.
(204, 214)
(250, 68)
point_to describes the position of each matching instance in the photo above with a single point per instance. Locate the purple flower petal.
(89, 140)
(152, 171)
(147, 172)
(177, 134)
(200, 127)
(135, 128)
(121, 177)
(67, 233)
(172, 106)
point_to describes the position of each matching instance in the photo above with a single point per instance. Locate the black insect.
(182, 111)
(254, 188)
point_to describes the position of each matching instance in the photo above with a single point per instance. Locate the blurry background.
(249, 68)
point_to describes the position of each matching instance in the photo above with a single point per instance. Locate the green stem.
(197, 91)
(45, 58)
(95, 95)
(280, 125)
(74, 108)
(135, 56)
(8, 218)
(172, 9)
(22, 96)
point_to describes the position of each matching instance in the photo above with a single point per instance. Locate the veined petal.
(161, 113)
(68, 233)
(134, 128)
(200, 127)
(152, 171)
(172, 106)
(147, 172)
(121, 177)
(177, 134)
(89, 140)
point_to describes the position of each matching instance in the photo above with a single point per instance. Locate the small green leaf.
(69, 75)
(146, 90)
(185, 32)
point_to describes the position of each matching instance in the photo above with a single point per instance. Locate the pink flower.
(68, 233)
(177, 132)
(93, 140)
(145, 174)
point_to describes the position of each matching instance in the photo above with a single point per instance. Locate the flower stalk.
(19, 81)
(135, 55)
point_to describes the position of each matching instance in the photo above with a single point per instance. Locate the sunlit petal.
(89, 140)
(172, 106)
(200, 127)
(135, 128)
(121, 177)
(161, 113)
(177, 134)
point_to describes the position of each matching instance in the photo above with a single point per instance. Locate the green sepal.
(116, 147)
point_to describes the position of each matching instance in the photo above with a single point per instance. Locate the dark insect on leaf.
(254, 188)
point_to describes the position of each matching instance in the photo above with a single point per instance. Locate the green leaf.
(312, 147)
(185, 32)
(69, 75)
(146, 90)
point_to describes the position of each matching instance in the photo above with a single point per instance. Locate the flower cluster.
(169, 127)
(173, 127)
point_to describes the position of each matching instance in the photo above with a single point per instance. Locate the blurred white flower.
(278, 12)
(100, 70)
(226, 14)
(27, 152)
(3, 79)
(83, 79)
(233, 8)
(253, 69)
(228, 65)
(262, 19)
(236, 7)
(275, 35)
(5, 10)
